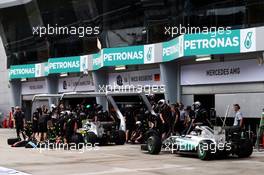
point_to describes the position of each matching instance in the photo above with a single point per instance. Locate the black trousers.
(20, 129)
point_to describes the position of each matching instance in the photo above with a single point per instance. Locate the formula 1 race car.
(204, 142)
(101, 133)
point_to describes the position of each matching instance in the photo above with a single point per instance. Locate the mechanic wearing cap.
(20, 122)
(238, 120)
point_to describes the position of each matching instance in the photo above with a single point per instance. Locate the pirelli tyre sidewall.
(202, 151)
(154, 144)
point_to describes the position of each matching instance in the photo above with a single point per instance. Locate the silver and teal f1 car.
(204, 142)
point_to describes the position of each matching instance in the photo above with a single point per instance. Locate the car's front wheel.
(203, 150)
(154, 144)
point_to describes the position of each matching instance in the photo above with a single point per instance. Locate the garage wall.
(249, 95)
(251, 104)
(187, 99)
(224, 88)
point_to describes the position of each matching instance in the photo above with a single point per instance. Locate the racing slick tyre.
(91, 138)
(154, 145)
(120, 137)
(11, 141)
(20, 144)
(151, 132)
(203, 150)
(245, 149)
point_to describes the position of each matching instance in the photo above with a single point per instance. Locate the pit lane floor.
(117, 160)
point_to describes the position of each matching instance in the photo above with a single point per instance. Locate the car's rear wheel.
(245, 149)
(154, 145)
(91, 138)
(120, 137)
(76, 140)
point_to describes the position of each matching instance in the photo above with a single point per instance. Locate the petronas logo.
(248, 40)
(149, 54)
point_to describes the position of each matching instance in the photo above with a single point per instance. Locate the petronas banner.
(143, 54)
(224, 42)
(232, 41)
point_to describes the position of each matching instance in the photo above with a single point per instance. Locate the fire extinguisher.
(263, 140)
(11, 121)
(5, 123)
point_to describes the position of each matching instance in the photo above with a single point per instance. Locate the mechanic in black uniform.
(70, 126)
(130, 122)
(35, 121)
(59, 127)
(20, 122)
(175, 112)
(99, 115)
(113, 116)
(141, 127)
(190, 116)
(201, 115)
(165, 117)
(154, 121)
(43, 123)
